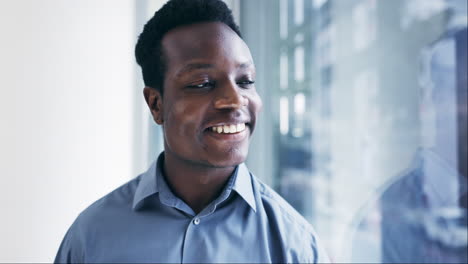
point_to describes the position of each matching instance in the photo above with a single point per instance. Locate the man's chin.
(227, 160)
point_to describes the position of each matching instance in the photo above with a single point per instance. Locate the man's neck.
(196, 184)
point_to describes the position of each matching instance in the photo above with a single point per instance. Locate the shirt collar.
(243, 186)
(148, 184)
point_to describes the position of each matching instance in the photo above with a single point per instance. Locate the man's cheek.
(257, 101)
(187, 119)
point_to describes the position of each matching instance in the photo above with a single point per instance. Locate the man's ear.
(154, 101)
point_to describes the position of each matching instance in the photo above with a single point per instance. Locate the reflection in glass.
(283, 18)
(299, 63)
(284, 76)
(284, 115)
(364, 24)
(368, 123)
(298, 11)
(423, 216)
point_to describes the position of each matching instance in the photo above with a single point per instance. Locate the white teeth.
(229, 129)
(240, 127)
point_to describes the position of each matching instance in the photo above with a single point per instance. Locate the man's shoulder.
(118, 201)
(99, 220)
(278, 207)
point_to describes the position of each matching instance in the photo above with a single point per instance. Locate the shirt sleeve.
(71, 248)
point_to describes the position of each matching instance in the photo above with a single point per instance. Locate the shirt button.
(196, 221)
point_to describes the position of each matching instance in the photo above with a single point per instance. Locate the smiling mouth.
(228, 128)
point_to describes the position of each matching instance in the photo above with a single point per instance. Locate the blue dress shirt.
(143, 221)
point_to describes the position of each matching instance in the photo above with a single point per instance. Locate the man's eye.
(245, 84)
(201, 85)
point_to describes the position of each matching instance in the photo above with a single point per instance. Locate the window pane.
(298, 11)
(299, 64)
(284, 70)
(284, 116)
(283, 14)
(369, 135)
(364, 19)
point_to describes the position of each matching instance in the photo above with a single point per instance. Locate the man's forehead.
(194, 45)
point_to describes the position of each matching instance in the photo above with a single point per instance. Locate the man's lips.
(226, 125)
(228, 128)
(236, 135)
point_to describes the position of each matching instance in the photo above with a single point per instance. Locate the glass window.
(298, 11)
(364, 24)
(284, 115)
(283, 14)
(365, 128)
(299, 64)
(284, 71)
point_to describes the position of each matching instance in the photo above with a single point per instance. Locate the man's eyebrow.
(200, 66)
(245, 65)
(194, 66)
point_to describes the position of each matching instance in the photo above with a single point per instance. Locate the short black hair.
(148, 50)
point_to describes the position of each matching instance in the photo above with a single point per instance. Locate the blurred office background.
(364, 128)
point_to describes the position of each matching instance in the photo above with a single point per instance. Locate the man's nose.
(229, 96)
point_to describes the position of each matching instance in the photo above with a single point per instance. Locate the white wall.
(67, 93)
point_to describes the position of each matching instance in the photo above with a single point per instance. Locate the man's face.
(210, 104)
